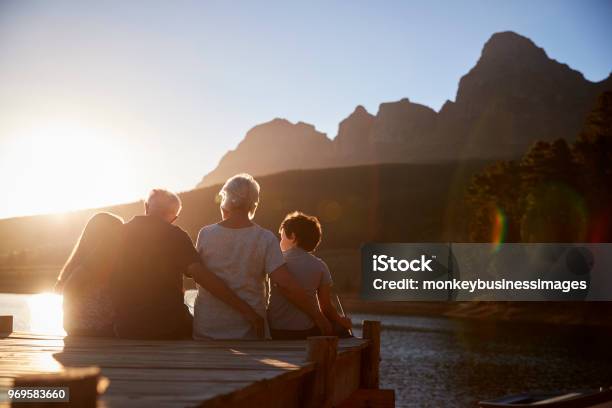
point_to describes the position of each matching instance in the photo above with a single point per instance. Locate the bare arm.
(328, 309)
(282, 278)
(219, 289)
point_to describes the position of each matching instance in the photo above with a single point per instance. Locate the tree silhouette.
(557, 192)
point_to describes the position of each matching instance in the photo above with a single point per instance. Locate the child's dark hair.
(306, 229)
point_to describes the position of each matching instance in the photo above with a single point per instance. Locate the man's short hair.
(306, 229)
(164, 201)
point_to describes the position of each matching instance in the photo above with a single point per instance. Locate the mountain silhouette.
(513, 96)
(273, 147)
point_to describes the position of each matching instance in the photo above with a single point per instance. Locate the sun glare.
(62, 166)
(46, 314)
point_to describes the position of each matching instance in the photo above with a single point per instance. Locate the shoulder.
(266, 234)
(179, 233)
(177, 230)
(137, 222)
(319, 262)
(207, 229)
(326, 278)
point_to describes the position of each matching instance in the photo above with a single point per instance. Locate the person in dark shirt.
(147, 283)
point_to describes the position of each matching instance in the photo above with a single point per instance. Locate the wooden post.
(83, 385)
(370, 357)
(322, 350)
(6, 324)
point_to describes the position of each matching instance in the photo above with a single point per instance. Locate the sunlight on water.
(45, 362)
(46, 314)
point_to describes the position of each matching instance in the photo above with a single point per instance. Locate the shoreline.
(589, 314)
(592, 314)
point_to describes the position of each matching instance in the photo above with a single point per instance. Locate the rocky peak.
(360, 114)
(282, 131)
(351, 143)
(512, 69)
(360, 110)
(507, 46)
(271, 147)
(401, 120)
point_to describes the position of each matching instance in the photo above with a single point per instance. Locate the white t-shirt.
(243, 258)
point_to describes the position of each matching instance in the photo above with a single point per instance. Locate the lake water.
(438, 362)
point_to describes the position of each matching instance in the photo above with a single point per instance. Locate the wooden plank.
(247, 344)
(348, 375)
(370, 398)
(201, 354)
(6, 324)
(146, 401)
(200, 390)
(18, 334)
(161, 361)
(82, 383)
(279, 392)
(218, 375)
(238, 366)
(371, 355)
(322, 350)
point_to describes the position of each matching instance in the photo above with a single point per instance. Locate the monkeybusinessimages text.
(385, 263)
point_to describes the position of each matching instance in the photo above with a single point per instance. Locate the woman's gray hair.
(240, 192)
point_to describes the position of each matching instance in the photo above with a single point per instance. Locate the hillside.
(514, 95)
(383, 203)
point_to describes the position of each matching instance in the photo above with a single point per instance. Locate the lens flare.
(500, 227)
(555, 213)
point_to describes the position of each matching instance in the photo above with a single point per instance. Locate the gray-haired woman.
(244, 255)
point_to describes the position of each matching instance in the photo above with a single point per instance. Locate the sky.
(101, 101)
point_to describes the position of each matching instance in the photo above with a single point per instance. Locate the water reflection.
(44, 362)
(43, 312)
(438, 362)
(46, 314)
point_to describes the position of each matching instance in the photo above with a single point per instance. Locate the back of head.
(163, 203)
(100, 235)
(306, 229)
(240, 192)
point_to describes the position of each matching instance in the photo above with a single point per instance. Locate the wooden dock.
(320, 371)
